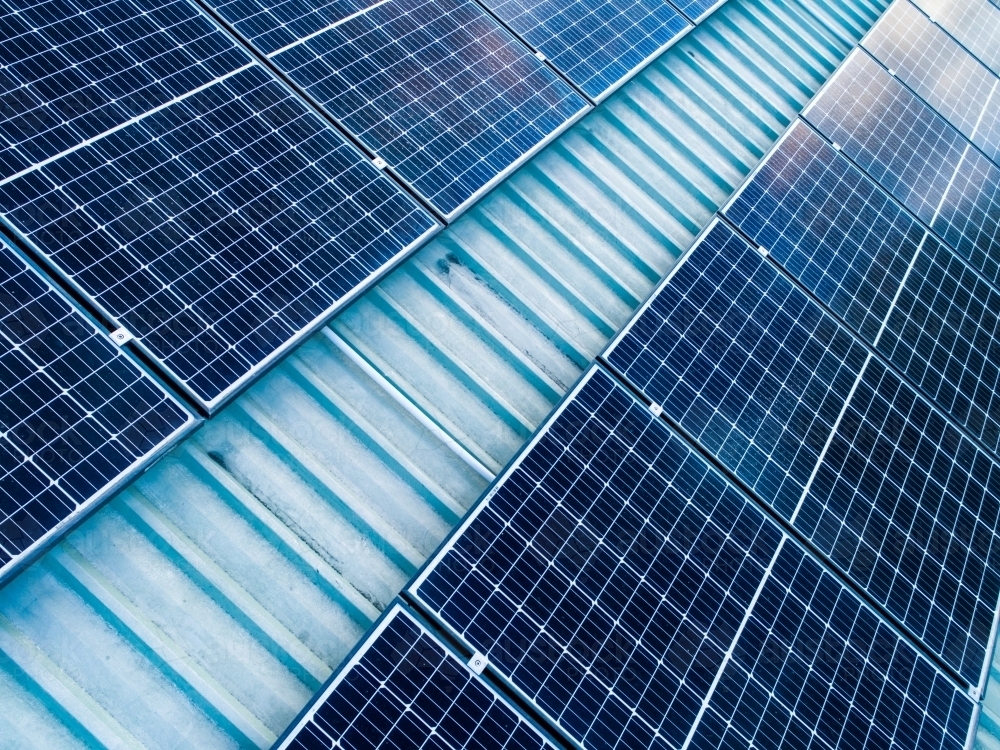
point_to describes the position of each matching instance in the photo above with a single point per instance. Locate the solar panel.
(969, 217)
(943, 334)
(77, 418)
(597, 44)
(830, 226)
(895, 495)
(940, 71)
(889, 132)
(746, 363)
(69, 74)
(853, 247)
(640, 600)
(914, 153)
(402, 689)
(974, 23)
(438, 89)
(217, 227)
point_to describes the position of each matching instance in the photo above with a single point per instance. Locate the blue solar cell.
(900, 141)
(440, 91)
(641, 601)
(77, 418)
(402, 689)
(941, 72)
(597, 44)
(853, 247)
(880, 481)
(219, 225)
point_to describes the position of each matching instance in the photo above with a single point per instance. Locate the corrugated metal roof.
(205, 604)
(988, 731)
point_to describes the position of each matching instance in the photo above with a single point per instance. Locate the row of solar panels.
(768, 517)
(170, 172)
(198, 190)
(635, 597)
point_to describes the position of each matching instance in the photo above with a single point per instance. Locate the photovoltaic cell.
(876, 268)
(893, 494)
(438, 90)
(900, 141)
(940, 71)
(404, 690)
(641, 601)
(597, 44)
(974, 23)
(219, 225)
(76, 416)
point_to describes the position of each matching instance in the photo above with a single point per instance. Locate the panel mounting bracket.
(478, 663)
(121, 336)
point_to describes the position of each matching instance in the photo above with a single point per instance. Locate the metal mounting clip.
(122, 336)
(478, 663)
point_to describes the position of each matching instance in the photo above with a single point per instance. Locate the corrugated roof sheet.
(204, 605)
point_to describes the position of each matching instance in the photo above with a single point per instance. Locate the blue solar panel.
(402, 689)
(837, 444)
(974, 23)
(907, 505)
(69, 74)
(889, 132)
(219, 226)
(853, 247)
(943, 334)
(969, 218)
(805, 634)
(77, 418)
(597, 44)
(916, 155)
(746, 363)
(941, 72)
(641, 601)
(831, 227)
(439, 90)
